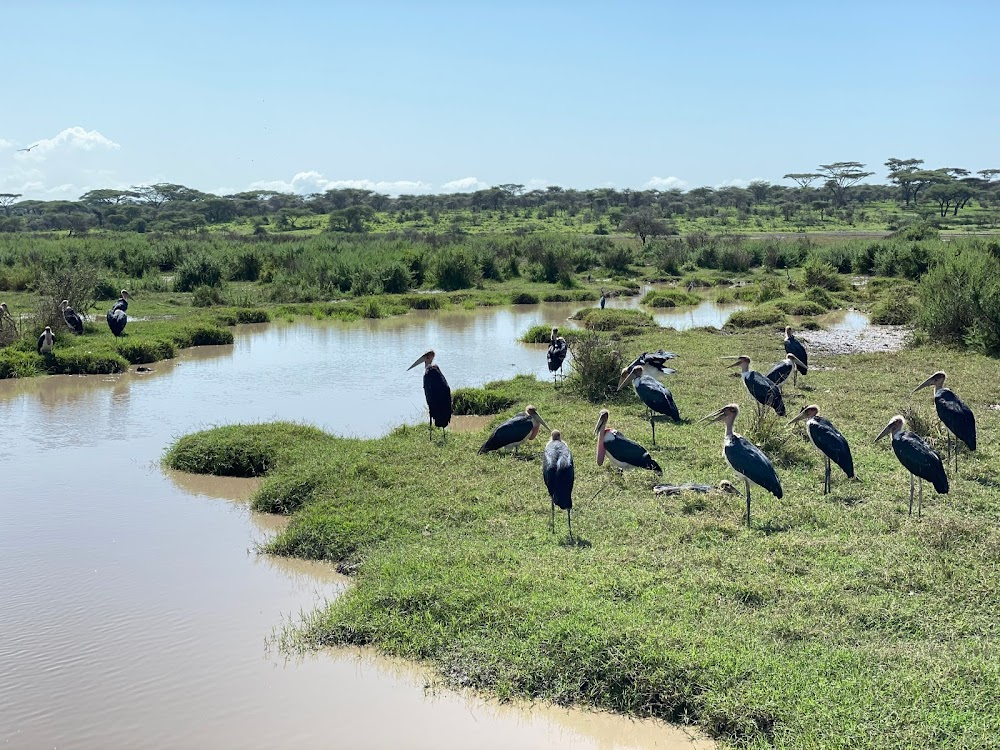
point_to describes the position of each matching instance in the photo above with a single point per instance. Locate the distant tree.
(899, 173)
(643, 224)
(7, 200)
(841, 175)
(351, 219)
(925, 177)
(804, 179)
(988, 174)
(108, 196)
(759, 189)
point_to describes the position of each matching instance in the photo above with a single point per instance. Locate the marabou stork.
(653, 363)
(958, 418)
(557, 471)
(623, 453)
(764, 392)
(780, 372)
(794, 346)
(5, 313)
(745, 458)
(603, 299)
(45, 341)
(73, 320)
(828, 440)
(117, 318)
(917, 457)
(656, 396)
(513, 432)
(437, 393)
(556, 354)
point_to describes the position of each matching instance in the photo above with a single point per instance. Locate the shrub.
(455, 268)
(206, 296)
(960, 300)
(203, 334)
(537, 335)
(597, 367)
(818, 273)
(821, 297)
(480, 401)
(894, 310)
(669, 298)
(424, 301)
(756, 317)
(595, 319)
(139, 351)
(800, 307)
(524, 298)
(768, 290)
(198, 270)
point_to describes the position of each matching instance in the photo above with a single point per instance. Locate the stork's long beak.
(669, 371)
(735, 363)
(713, 417)
(624, 380)
(885, 431)
(539, 416)
(929, 381)
(601, 421)
(420, 360)
(796, 360)
(801, 415)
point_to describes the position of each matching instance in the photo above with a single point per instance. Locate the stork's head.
(726, 414)
(794, 360)
(426, 358)
(628, 375)
(808, 412)
(937, 380)
(788, 332)
(602, 420)
(895, 425)
(48, 330)
(125, 294)
(555, 332)
(64, 304)
(532, 412)
(4, 312)
(556, 436)
(742, 361)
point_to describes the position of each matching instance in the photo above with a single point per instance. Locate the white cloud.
(466, 184)
(304, 183)
(5, 144)
(665, 183)
(70, 139)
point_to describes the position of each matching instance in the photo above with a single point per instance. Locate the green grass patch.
(524, 298)
(481, 401)
(626, 322)
(756, 317)
(894, 310)
(799, 307)
(669, 298)
(138, 350)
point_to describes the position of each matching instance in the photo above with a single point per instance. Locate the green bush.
(756, 317)
(823, 275)
(537, 335)
(597, 366)
(669, 298)
(198, 270)
(206, 296)
(595, 319)
(524, 298)
(821, 297)
(79, 361)
(799, 307)
(139, 351)
(960, 300)
(480, 401)
(894, 310)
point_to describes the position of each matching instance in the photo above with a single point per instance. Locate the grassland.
(836, 621)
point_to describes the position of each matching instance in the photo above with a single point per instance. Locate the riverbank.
(835, 621)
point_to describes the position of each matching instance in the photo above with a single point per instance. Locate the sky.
(418, 97)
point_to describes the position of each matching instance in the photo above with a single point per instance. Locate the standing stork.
(653, 363)
(558, 474)
(745, 458)
(5, 313)
(519, 428)
(45, 341)
(917, 457)
(73, 320)
(794, 346)
(828, 440)
(603, 299)
(556, 354)
(623, 453)
(117, 317)
(656, 396)
(764, 392)
(122, 302)
(958, 418)
(780, 372)
(437, 393)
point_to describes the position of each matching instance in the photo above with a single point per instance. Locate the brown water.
(133, 609)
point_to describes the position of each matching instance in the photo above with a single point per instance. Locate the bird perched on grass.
(917, 457)
(780, 372)
(657, 397)
(45, 341)
(794, 346)
(558, 474)
(73, 320)
(556, 354)
(828, 440)
(745, 458)
(623, 453)
(516, 430)
(437, 393)
(957, 418)
(764, 392)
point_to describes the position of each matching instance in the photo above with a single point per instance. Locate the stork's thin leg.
(956, 457)
(430, 428)
(553, 521)
(826, 482)
(911, 494)
(652, 424)
(920, 499)
(569, 522)
(795, 376)
(747, 483)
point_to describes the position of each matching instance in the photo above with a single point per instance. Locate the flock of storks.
(745, 458)
(117, 318)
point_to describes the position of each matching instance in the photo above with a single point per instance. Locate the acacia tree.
(7, 200)
(643, 224)
(899, 173)
(841, 175)
(804, 179)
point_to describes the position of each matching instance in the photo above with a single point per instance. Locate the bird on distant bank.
(957, 418)
(73, 320)
(794, 346)
(559, 475)
(764, 392)
(603, 299)
(45, 341)
(556, 354)
(437, 393)
(5, 313)
(515, 431)
(780, 372)
(657, 397)
(117, 317)
(828, 440)
(917, 457)
(624, 454)
(745, 458)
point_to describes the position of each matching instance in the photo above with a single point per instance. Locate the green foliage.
(455, 268)
(202, 334)
(15, 363)
(597, 366)
(768, 290)
(80, 361)
(799, 307)
(481, 401)
(821, 297)
(960, 300)
(138, 350)
(524, 298)
(537, 335)
(669, 298)
(196, 271)
(894, 310)
(242, 450)
(206, 296)
(596, 319)
(756, 317)
(823, 275)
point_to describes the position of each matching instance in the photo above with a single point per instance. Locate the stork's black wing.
(831, 443)
(438, 396)
(121, 304)
(41, 340)
(117, 320)
(556, 355)
(780, 372)
(514, 430)
(558, 473)
(750, 461)
(794, 346)
(73, 320)
(630, 452)
(920, 459)
(764, 391)
(956, 416)
(657, 397)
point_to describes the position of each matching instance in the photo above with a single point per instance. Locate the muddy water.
(133, 610)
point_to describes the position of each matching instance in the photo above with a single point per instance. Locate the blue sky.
(432, 96)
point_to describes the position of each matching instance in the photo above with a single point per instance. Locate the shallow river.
(133, 611)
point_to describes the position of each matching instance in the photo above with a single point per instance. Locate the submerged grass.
(836, 621)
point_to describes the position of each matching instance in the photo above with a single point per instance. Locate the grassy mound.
(620, 321)
(799, 307)
(756, 317)
(670, 298)
(480, 401)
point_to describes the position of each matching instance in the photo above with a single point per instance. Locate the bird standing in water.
(437, 393)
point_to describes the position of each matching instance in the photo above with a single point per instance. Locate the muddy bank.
(867, 340)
